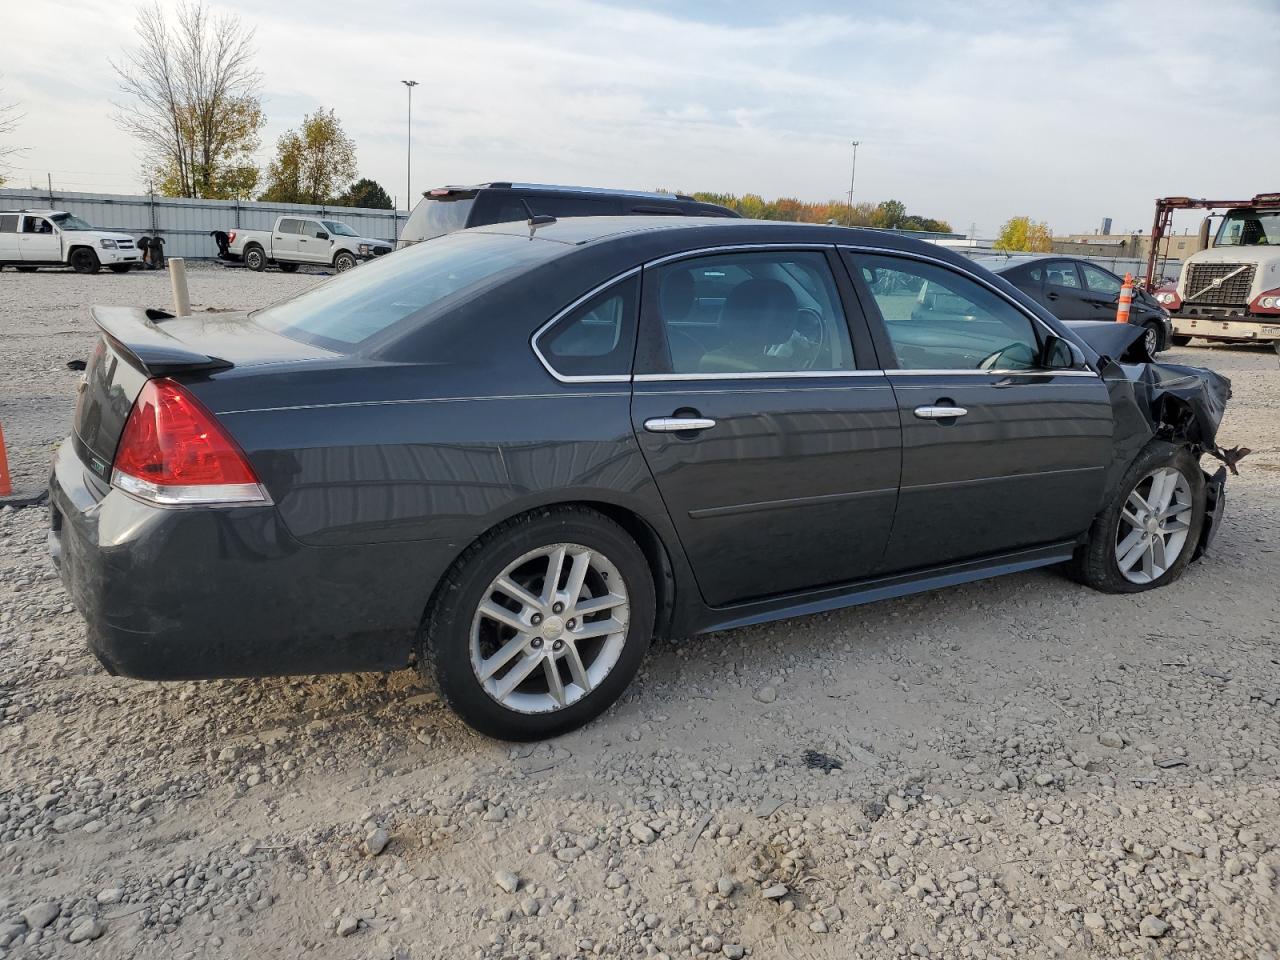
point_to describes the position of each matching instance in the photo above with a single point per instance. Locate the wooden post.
(178, 281)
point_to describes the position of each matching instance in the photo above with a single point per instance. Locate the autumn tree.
(312, 162)
(192, 101)
(365, 193)
(1023, 233)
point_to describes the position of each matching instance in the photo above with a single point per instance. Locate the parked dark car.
(446, 209)
(1074, 289)
(515, 460)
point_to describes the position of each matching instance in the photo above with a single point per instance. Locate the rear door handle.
(677, 424)
(940, 413)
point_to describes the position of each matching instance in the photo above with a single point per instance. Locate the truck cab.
(1231, 291)
(31, 239)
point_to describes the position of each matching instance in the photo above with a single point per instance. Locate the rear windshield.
(435, 216)
(408, 287)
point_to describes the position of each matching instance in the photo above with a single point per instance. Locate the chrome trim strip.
(737, 247)
(381, 403)
(564, 378)
(764, 375)
(943, 372)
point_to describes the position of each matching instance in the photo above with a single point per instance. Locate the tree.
(365, 193)
(192, 101)
(1023, 233)
(311, 163)
(889, 214)
(9, 118)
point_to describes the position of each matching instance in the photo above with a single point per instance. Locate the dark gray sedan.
(516, 454)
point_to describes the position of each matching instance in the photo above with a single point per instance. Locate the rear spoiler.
(135, 335)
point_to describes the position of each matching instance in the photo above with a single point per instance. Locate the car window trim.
(538, 334)
(911, 255)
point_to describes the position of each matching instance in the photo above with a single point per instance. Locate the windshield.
(435, 216)
(339, 228)
(67, 221)
(1249, 228)
(411, 287)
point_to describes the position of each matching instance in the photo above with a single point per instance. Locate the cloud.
(972, 111)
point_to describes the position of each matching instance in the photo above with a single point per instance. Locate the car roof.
(40, 213)
(563, 188)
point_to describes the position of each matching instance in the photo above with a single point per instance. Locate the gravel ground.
(1019, 768)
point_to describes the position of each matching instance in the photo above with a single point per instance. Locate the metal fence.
(186, 224)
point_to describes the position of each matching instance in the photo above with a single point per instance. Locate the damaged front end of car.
(1163, 401)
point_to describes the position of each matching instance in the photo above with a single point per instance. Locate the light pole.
(408, 156)
(853, 175)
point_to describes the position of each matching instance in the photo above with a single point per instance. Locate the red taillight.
(231, 237)
(173, 451)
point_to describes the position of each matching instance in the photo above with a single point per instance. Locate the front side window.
(313, 229)
(1100, 281)
(37, 225)
(951, 322)
(752, 313)
(598, 338)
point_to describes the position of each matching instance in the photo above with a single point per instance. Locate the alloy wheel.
(550, 628)
(1154, 524)
(1151, 339)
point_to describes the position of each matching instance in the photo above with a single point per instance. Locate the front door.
(1104, 291)
(774, 442)
(39, 241)
(312, 247)
(998, 452)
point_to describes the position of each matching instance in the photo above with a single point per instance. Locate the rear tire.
(288, 267)
(84, 260)
(1121, 554)
(255, 258)
(561, 668)
(344, 261)
(1180, 340)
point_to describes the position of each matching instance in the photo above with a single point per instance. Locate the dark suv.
(446, 209)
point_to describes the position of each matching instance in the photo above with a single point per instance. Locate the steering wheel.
(810, 328)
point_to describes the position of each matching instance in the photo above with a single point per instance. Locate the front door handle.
(940, 413)
(678, 424)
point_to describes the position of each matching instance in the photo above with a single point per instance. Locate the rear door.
(39, 241)
(284, 239)
(1064, 293)
(10, 249)
(770, 431)
(998, 452)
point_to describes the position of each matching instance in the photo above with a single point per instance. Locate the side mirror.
(1060, 354)
(322, 235)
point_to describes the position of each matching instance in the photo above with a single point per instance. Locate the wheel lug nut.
(557, 607)
(536, 619)
(537, 642)
(558, 645)
(571, 623)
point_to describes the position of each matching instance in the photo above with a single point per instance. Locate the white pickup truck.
(296, 240)
(30, 239)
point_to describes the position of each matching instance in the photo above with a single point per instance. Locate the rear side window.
(597, 338)
(1062, 274)
(8, 223)
(412, 288)
(288, 226)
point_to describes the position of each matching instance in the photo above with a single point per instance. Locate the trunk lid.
(137, 345)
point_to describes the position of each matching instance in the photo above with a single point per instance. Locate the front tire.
(1147, 535)
(1151, 339)
(540, 625)
(84, 260)
(344, 261)
(255, 259)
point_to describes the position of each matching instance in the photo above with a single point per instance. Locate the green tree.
(365, 193)
(889, 214)
(192, 102)
(1023, 233)
(312, 162)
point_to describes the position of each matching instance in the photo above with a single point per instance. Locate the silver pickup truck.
(297, 240)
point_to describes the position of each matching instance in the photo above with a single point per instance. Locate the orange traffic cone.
(1126, 299)
(6, 484)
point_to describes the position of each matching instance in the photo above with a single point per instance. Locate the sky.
(970, 111)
